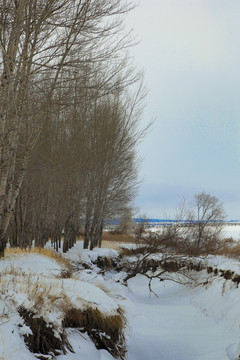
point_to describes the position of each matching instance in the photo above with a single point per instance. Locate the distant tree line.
(70, 105)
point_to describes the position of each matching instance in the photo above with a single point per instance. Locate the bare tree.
(198, 226)
(125, 224)
(43, 44)
(173, 252)
(113, 171)
(208, 217)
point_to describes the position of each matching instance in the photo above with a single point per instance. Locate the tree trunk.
(86, 235)
(100, 236)
(3, 243)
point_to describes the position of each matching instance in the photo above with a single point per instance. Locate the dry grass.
(114, 241)
(229, 248)
(116, 237)
(111, 245)
(44, 338)
(103, 287)
(39, 251)
(47, 295)
(105, 331)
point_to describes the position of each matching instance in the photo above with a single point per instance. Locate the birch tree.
(41, 43)
(113, 174)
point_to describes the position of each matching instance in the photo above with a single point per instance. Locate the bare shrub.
(209, 215)
(229, 248)
(236, 279)
(156, 258)
(125, 225)
(141, 227)
(198, 227)
(105, 262)
(227, 274)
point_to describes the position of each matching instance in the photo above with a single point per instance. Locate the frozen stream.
(172, 327)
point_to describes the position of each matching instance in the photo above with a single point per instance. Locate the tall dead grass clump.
(43, 338)
(39, 251)
(106, 331)
(115, 236)
(229, 248)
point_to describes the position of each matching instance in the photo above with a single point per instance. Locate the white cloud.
(191, 52)
(186, 33)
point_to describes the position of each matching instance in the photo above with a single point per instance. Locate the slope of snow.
(232, 231)
(78, 254)
(31, 263)
(35, 285)
(84, 348)
(182, 323)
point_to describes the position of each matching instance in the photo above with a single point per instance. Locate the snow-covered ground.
(232, 231)
(183, 323)
(229, 231)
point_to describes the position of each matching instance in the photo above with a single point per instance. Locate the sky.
(190, 53)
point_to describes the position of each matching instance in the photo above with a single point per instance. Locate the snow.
(25, 279)
(182, 322)
(84, 348)
(88, 257)
(224, 263)
(232, 231)
(12, 345)
(30, 263)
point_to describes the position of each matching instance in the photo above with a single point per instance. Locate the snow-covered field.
(180, 323)
(228, 231)
(232, 231)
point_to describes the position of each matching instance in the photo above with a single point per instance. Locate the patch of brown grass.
(113, 239)
(105, 331)
(39, 251)
(229, 248)
(111, 245)
(116, 237)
